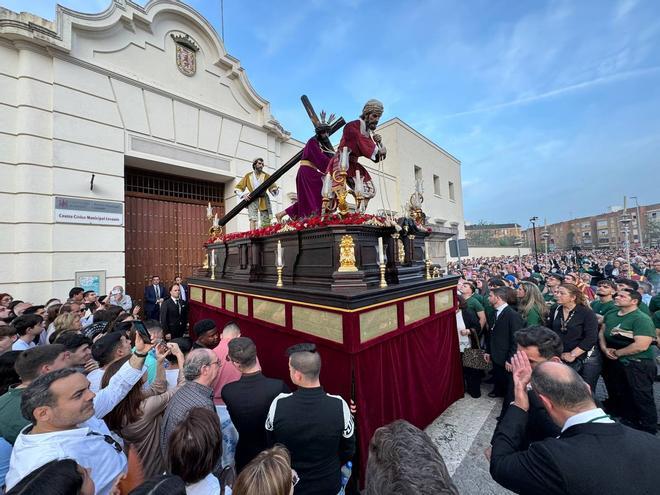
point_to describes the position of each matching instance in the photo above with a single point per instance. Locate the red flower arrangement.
(314, 222)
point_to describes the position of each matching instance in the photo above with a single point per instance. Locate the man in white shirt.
(106, 350)
(65, 423)
(28, 328)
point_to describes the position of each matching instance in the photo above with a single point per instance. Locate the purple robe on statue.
(309, 181)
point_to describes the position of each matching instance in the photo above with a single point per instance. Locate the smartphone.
(142, 330)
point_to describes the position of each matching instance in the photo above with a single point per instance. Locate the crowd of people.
(98, 395)
(95, 400)
(546, 330)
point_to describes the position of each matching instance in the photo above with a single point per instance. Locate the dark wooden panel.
(166, 227)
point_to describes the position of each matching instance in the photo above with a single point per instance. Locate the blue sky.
(553, 107)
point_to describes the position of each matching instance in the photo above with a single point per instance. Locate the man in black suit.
(592, 455)
(540, 345)
(249, 399)
(154, 295)
(501, 345)
(184, 295)
(172, 314)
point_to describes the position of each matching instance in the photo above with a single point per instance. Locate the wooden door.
(165, 230)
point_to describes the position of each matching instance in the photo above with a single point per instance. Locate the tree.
(481, 235)
(507, 241)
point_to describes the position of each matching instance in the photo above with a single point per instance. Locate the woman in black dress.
(576, 325)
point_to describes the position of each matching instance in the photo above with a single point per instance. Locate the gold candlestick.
(427, 262)
(279, 276)
(383, 282)
(212, 264)
(411, 246)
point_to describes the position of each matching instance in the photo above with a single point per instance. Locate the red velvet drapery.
(415, 375)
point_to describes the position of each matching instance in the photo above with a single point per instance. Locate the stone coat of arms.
(186, 53)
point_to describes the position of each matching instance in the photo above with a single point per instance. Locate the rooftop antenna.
(222, 19)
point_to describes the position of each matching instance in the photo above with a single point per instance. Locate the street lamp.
(536, 251)
(639, 224)
(518, 242)
(625, 221)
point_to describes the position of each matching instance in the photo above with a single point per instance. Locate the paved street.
(463, 432)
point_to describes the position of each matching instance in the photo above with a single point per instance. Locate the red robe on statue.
(356, 137)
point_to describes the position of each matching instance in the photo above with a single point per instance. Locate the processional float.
(359, 286)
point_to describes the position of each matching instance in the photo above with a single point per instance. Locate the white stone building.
(94, 94)
(134, 119)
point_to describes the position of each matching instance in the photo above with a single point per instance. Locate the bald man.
(592, 455)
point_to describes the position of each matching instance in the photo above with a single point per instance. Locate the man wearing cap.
(106, 350)
(358, 136)
(247, 185)
(206, 335)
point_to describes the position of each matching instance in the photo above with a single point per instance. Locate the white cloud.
(560, 91)
(623, 8)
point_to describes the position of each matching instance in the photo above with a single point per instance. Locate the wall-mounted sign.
(92, 280)
(88, 211)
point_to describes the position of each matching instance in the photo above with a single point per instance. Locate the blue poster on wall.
(91, 280)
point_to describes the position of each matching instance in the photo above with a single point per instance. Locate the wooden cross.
(263, 187)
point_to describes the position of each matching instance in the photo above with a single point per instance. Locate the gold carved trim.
(444, 300)
(229, 301)
(416, 309)
(332, 308)
(196, 294)
(242, 304)
(272, 312)
(324, 324)
(378, 322)
(214, 298)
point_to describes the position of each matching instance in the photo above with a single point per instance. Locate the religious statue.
(309, 179)
(358, 136)
(249, 183)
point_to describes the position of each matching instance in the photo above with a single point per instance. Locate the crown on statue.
(330, 119)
